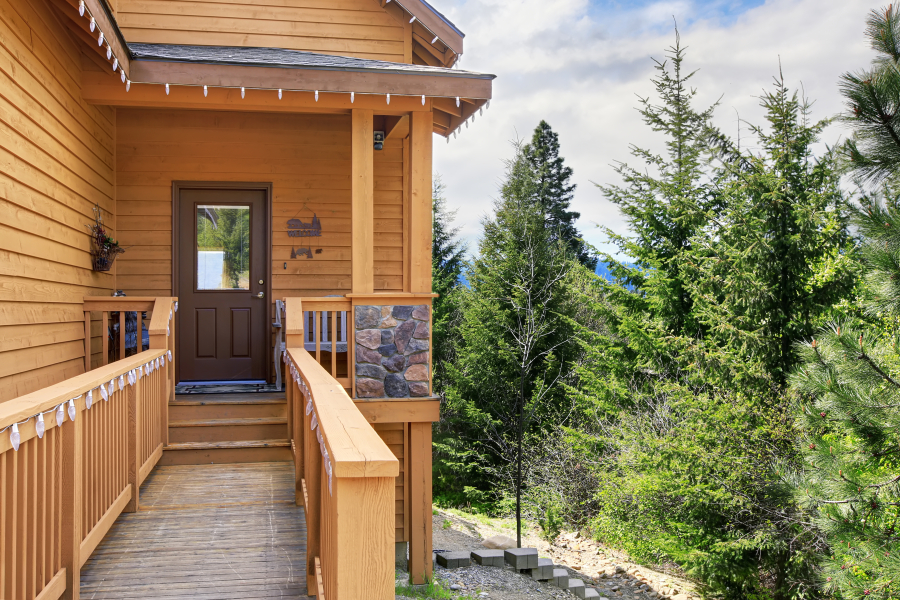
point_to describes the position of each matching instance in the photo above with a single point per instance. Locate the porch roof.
(286, 59)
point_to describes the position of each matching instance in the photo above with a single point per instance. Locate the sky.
(581, 66)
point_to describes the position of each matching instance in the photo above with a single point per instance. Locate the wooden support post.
(87, 341)
(104, 336)
(420, 556)
(70, 508)
(121, 334)
(140, 332)
(362, 186)
(133, 447)
(289, 405)
(420, 202)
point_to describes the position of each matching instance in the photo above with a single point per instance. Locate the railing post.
(420, 555)
(363, 510)
(104, 336)
(87, 341)
(133, 447)
(312, 470)
(71, 534)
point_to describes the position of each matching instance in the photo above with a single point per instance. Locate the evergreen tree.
(447, 264)
(778, 254)
(873, 102)
(554, 192)
(850, 384)
(666, 202)
(514, 347)
(682, 386)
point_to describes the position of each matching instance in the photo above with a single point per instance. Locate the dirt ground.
(604, 569)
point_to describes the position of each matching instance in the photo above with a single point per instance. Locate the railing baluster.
(87, 341)
(334, 344)
(104, 335)
(121, 334)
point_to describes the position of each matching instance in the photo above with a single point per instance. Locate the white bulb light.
(167, 89)
(93, 24)
(72, 410)
(109, 53)
(388, 98)
(39, 425)
(121, 382)
(176, 307)
(279, 93)
(122, 73)
(351, 97)
(115, 64)
(89, 399)
(60, 415)
(100, 39)
(169, 354)
(205, 91)
(317, 95)
(14, 437)
(413, 20)
(81, 8)
(131, 378)
(103, 393)
(313, 422)
(111, 390)
(434, 40)
(242, 92)
(423, 99)
(487, 104)
(457, 102)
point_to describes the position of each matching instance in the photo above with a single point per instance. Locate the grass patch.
(433, 590)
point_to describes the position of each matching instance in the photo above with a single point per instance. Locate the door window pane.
(223, 247)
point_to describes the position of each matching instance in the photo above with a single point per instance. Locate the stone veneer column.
(392, 344)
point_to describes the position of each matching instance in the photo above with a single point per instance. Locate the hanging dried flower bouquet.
(104, 249)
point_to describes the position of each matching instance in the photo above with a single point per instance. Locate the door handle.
(261, 295)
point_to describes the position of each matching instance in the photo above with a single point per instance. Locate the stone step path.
(523, 560)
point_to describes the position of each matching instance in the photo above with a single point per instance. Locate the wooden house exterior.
(267, 169)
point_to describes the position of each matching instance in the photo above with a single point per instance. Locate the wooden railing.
(327, 327)
(161, 330)
(72, 458)
(345, 478)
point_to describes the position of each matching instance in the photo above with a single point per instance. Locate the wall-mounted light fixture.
(379, 140)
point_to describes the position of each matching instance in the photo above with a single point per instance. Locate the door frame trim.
(266, 187)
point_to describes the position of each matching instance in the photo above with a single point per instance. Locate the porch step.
(227, 430)
(247, 451)
(188, 407)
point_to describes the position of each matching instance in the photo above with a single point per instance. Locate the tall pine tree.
(554, 191)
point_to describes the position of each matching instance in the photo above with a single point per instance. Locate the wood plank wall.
(57, 160)
(359, 28)
(305, 157)
(393, 435)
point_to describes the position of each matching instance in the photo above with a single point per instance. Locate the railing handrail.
(23, 407)
(355, 448)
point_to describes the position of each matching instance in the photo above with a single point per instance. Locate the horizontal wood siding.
(57, 160)
(359, 28)
(392, 435)
(305, 157)
(388, 216)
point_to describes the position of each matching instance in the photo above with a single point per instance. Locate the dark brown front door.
(222, 284)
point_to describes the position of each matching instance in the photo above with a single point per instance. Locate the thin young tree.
(515, 341)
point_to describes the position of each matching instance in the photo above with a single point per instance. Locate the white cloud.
(580, 67)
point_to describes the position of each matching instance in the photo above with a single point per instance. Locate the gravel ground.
(604, 569)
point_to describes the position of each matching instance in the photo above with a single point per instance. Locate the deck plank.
(223, 532)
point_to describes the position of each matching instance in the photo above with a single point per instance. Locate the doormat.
(225, 388)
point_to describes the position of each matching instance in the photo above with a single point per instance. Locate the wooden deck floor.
(208, 532)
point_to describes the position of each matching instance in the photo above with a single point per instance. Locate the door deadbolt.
(261, 282)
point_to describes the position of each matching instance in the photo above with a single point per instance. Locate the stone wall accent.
(392, 346)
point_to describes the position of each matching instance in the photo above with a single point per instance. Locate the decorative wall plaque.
(297, 228)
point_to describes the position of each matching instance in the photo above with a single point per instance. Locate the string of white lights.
(84, 11)
(106, 392)
(314, 423)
